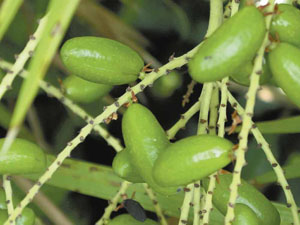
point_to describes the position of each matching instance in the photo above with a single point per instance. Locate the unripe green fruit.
(286, 23)
(243, 215)
(229, 47)
(22, 157)
(165, 86)
(27, 217)
(243, 75)
(191, 159)
(285, 67)
(124, 168)
(145, 139)
(247, 195)
(83, 91)
(101, 60)
(126, 219)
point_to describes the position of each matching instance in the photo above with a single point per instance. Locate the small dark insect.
(134, 208)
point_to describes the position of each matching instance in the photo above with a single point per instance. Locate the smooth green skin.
(248, 195)
(83, 91)
(285, 67)
(287, 24)
(123, 168)
(191, 159)
(244, 215)
(27, 218)
(23, 157)
(126, 219)
(165, 86)
(242, 77)
(145, 139)
(101, 60)
(229, 47)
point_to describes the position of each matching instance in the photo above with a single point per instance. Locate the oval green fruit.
(145, 139)
(123, 167)
(84, 91)
(165, 86)
(191, 159)
(126, 219)
(286, 23)
(23, 157)
(242, 77)
(248, 195)
(229, 47)
(243, 215)
(285, 67)
(27, 217)
(101, 60)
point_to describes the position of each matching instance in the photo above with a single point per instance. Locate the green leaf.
(100, 181)
(58, 19)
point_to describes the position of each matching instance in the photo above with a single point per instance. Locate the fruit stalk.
(85, 131)
(184, 118)
(55, 92)
(234, 6)
(113, 203)
(157, 207)
(275, 165)
(8, 195)
(22, 58)
(247, 116)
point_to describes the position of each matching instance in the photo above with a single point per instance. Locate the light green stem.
(22, 58)
(8, 195)
(205, 97)
(55, 92)
(85, 131)
(272, 160)
(184, 118)
(212, 130)
(247, 116)
(187, 202)
(157, 207)
(213, 111)
(113, 204)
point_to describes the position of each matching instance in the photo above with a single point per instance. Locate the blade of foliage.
(100, 181)
(8, 11)
(107, 24)
(280, 126)
(60, 14)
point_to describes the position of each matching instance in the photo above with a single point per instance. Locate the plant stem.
(85, 131)
(8, 195)
(113, 203)
(76, 109)
(247, 116)
(212, 130)
(213, 115)
(187, 202)
(22, 58)
(276, 166)
(44, 203)
(157, 207)
(184, 118)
